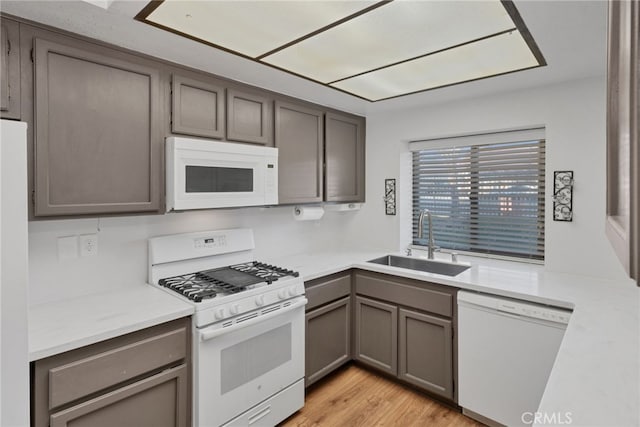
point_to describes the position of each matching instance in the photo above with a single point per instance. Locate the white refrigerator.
(14, 357)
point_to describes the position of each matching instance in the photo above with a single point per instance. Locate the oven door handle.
(212, 332)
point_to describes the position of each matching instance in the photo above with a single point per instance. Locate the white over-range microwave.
(204, 174)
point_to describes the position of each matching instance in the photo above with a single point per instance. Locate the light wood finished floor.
(357, 397)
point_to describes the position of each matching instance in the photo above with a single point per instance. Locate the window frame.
(473, 141)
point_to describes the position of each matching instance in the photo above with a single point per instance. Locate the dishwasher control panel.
(518, 308)
(528, 310)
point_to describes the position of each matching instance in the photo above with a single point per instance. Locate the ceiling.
(570, 34)
(375, 50)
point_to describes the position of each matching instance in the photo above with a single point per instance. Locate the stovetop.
(207, 284)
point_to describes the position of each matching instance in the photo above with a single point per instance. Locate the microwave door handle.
(212, 332)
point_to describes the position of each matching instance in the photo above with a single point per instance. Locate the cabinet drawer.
(157, 401)
(327, 289)
(406, 292)
(101, 371)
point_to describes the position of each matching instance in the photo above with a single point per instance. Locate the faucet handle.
(454, 257)
(408, 252)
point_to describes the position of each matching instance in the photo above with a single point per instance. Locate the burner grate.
(226, 280)
(269, 273)
(196, 287)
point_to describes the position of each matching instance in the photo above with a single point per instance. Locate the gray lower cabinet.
(98, 140)
(328, 339)
(156, 401)
(9, 69)
(425, 352)
(197, 108)
(328, 325)
(140, 379)
(376, 334)
(344, 158)
(299, 137)
(249, 117)
(405, 327)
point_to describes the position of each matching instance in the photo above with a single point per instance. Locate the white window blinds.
(486, 197)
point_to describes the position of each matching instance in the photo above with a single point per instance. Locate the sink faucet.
(431, 245)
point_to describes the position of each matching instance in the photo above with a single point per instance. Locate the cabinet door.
(299, 137)
(249, 118)
(328, 339)
(10, 70)
(377, 334)
(157, 401)
(98, 145)
(425, 352)
(197, 108)
(344, 158)
(623, 145)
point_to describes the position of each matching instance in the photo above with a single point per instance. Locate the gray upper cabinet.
(10, 69)
(249, 117)
(197, 108)
(299, 137)
(98, 142)
(344, 158)
(623, 144)
(425, 350)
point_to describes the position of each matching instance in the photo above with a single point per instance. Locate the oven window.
(247, 360)
(208, 179)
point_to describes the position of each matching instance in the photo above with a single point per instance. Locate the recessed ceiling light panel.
(251, 28)
(395, 32)
(371, 49)
(496, 55)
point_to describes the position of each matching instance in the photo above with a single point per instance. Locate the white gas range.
(248, 326)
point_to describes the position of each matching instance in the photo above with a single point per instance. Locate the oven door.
(240, 366)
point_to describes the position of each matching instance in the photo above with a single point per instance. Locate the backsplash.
(122, 245)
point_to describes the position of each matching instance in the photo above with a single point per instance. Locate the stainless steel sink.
(426, 265)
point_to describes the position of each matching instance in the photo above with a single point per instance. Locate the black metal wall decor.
(390, 196)
(563, 195)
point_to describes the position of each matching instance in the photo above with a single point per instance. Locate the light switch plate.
(67, 247)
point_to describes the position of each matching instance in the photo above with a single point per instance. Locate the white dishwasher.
(506, 350)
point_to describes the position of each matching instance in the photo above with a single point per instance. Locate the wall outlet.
(67, 247)
(89, 245)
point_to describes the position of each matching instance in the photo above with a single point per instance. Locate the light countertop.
(596, 374)
(65, 325)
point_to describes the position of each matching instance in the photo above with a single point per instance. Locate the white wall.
(574, 116)
(122, 250)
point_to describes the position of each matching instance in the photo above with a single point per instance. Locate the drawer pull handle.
(260, 415)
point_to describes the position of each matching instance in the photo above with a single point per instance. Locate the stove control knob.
(235, 308)
(292, 291)
(260, 300)
(219, 314)
(282, 294)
